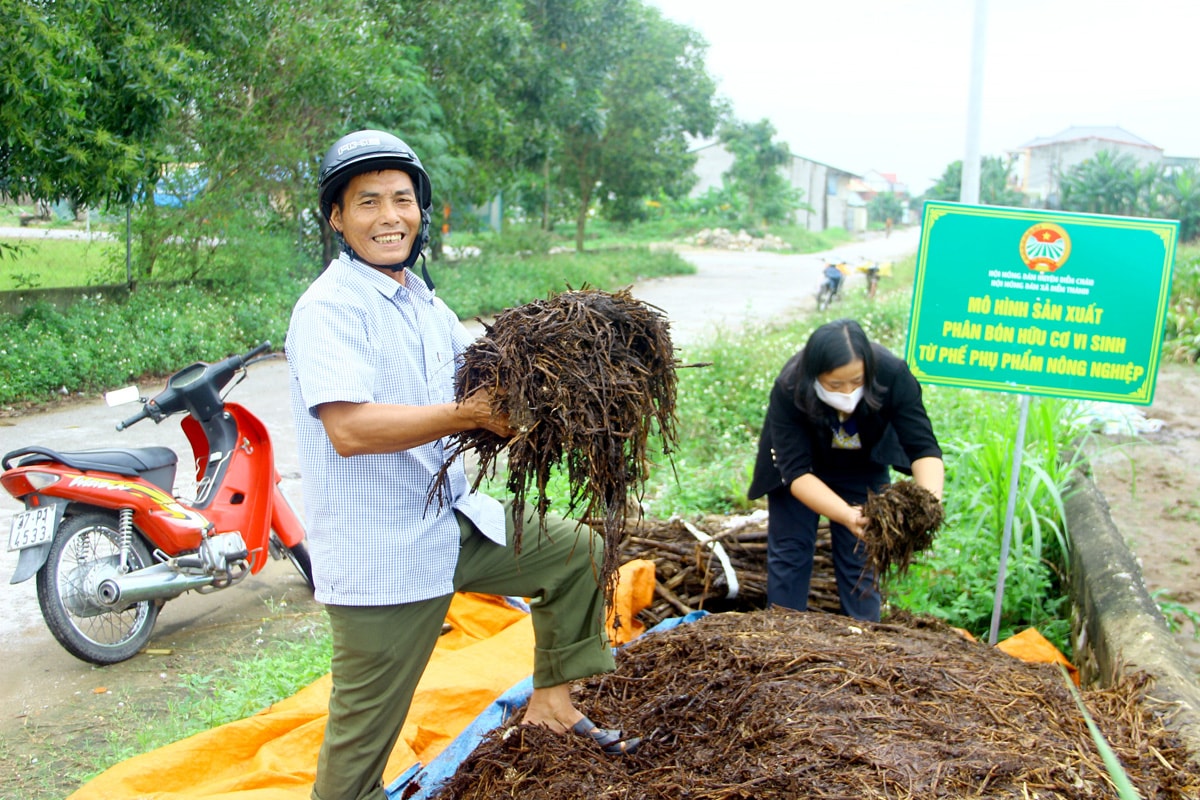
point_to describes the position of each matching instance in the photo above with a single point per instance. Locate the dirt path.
(1152, 485)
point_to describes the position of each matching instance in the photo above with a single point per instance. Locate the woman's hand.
(856, 521)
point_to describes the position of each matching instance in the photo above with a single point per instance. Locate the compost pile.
(903, 519)
(584, 377)
(785, 704)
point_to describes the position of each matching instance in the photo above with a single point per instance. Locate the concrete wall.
(712, 161)
(15, 302)
(810, 178)
(1118, 630)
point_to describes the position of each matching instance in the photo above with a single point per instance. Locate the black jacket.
(793, 444)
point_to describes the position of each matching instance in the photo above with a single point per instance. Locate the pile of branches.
(718, 564)
(784, 704)
(903, 519)
(584, 378)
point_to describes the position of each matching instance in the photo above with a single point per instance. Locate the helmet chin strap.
(392, 267)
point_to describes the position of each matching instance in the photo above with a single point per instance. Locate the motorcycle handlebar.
(262, 348)
(138, 417)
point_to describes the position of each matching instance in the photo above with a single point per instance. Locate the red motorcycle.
(110, 543)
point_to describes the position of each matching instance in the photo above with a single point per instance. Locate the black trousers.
(792, 540)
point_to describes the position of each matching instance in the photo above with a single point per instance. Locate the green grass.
(239, 689)
(40, 263)
(491, 283)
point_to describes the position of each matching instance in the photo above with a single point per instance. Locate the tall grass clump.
(1183, 315)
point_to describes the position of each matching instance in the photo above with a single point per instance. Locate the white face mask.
(846, 403)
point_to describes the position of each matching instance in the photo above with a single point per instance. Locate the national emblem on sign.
(1045, 247)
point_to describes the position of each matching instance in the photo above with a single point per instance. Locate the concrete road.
(728, 290)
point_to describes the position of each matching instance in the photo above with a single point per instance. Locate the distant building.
(885, 183)
(828, 192)
(1040, 162)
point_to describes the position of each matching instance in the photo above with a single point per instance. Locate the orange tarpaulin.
(1030, 645)
(273, 754)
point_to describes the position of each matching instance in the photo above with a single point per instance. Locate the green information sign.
(1041, 302)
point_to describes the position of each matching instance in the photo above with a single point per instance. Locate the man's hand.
(479, 407)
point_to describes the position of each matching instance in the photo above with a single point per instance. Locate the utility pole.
(971, 167)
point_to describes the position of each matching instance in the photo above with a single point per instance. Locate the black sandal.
(611, 741)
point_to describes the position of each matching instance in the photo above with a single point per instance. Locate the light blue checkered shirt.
(358, 336)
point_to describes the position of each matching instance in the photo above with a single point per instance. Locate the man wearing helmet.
(372, 355)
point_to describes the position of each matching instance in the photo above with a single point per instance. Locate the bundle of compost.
(584, 377)
(785, 704)
(902, 521)
(717, 564)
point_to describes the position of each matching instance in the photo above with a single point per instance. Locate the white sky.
(883, 84)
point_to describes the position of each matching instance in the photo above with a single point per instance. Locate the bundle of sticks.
(717, 564)
(720, 563)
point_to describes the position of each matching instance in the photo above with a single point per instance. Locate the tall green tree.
(756, 174)
(629, 87)
(995, 185)
(474, 55)
(267, 105)
(86, 87)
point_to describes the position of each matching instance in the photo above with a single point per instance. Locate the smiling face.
(379, 216)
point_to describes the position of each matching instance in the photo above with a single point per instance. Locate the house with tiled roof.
(1040, 162)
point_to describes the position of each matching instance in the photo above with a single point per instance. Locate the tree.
(264, 109)
(885, 206)
(756, 172)
(86, 87)
(1182, 192)
(994, 183)
(629, 85)
(1109, 183)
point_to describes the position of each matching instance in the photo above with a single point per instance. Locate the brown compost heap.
(786, 704)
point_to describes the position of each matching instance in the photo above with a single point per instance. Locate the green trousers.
(380, 652)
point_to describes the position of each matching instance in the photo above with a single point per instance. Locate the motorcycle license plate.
(33, 527)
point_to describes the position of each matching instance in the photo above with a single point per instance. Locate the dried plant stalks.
(691, 576)
(584, 377)
(903, 519)
(782, 704)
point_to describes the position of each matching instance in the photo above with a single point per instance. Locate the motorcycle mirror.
(117, 397)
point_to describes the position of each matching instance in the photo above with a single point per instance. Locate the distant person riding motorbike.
(372, 354)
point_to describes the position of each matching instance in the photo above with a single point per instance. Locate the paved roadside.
(52, 233)
(729, 290)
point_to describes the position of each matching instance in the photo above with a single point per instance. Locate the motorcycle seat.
(155, 464)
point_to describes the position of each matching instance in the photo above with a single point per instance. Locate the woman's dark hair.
(835, 344)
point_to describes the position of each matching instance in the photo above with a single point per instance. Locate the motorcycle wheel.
(299, 557)
(824, 297)
(86, 550)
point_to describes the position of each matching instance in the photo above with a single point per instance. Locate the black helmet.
(371, 151)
